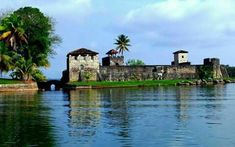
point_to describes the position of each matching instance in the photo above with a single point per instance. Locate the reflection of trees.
(213, 95)
(85, 112)
(24, 120)
(215, 92)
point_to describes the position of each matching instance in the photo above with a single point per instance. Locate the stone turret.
(112, 59)
(81, 62)
(215, 63)
(180, 58)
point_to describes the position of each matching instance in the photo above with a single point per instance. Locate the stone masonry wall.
(19, 87)
(79, 65)
(181, 72)
(147, 72)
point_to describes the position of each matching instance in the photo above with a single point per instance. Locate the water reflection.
(156, 116)
(117, 113)
(24, 120)
(131, 117)
(183, 95)
(84, 112)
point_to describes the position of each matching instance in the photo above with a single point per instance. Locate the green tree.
(41, 36)
(12, 32)
(205, 72)
(5, 59)
(12, 37)
(135, 62)
(230, 70)
(30, 35)
(23, 68)
(122, 42)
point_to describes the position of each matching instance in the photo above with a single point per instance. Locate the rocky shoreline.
(205, 82)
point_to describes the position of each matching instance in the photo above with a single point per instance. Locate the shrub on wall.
(205, 72)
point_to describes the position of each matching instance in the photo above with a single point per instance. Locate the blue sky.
(156, 28)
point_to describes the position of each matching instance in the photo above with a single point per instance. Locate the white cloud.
(174, 22)
(52, 7)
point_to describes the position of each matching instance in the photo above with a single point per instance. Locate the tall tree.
(12, 33)
(30, 35)
(122, 42)
(39, 30)
(5, 59)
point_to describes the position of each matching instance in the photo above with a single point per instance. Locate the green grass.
(9, 81)
(128, 83)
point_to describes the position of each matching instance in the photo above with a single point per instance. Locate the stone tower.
(215, 63)
(82, 63)
(112, 59)
(180, 58)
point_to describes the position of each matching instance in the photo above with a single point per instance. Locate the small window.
(182, 56)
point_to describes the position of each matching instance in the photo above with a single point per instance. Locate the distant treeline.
(231, 71)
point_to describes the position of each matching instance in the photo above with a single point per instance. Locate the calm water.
(162, 116)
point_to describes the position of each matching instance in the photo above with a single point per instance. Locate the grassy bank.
(9, 81)
(127, 83)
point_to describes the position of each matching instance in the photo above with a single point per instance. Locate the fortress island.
(83, 65)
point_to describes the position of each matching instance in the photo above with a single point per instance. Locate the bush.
(135, 62)
(38, 76)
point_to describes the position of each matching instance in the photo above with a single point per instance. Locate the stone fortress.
(83, 64)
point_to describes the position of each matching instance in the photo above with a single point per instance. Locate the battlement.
(83, 58)
(211, 61)
(80, 62)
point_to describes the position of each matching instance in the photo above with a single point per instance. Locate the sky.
(156, 28)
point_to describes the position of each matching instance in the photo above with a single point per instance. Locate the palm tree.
(122, 42)
(12, 33)
(5, 60)
(23, 68)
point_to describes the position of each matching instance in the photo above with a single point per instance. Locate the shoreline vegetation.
(147, 83)
(11, 81)
(19, 85)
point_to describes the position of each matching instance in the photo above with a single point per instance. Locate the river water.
(121, 117)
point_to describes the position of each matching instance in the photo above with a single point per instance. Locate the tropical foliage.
(87, 75)
(122, 42)
(205, 72)
(12, 32)
(27, 38)
(5, 59)
(135, 62)
(230, 70)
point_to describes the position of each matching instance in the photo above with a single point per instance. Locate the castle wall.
(181, 72)
(78, 66)
(147, 72)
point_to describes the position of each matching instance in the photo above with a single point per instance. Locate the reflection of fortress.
(84, 115)
(83, 61)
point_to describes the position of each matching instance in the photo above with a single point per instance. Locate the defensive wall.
(157, 72)
(147, 72)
